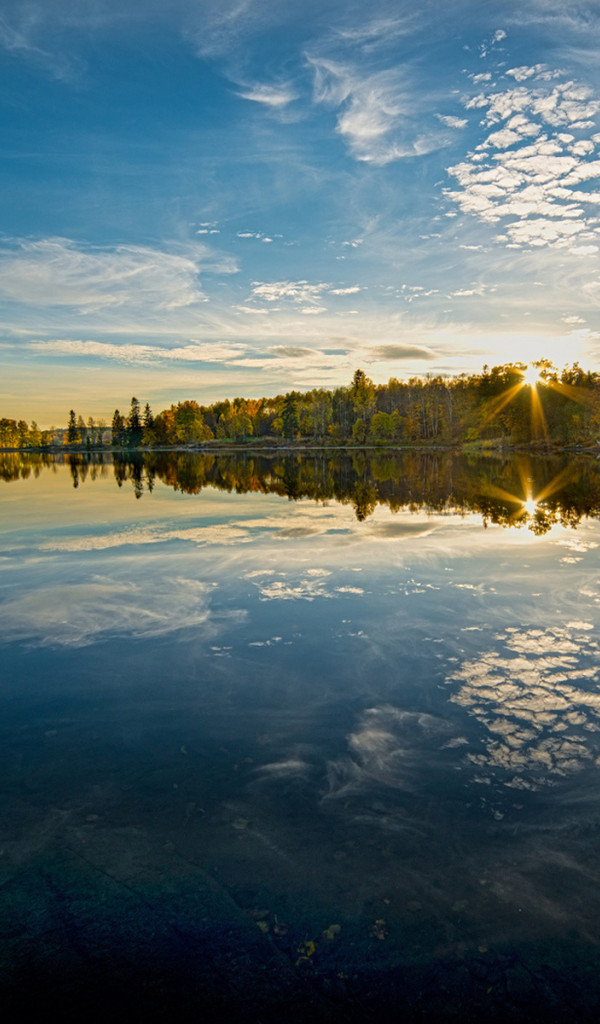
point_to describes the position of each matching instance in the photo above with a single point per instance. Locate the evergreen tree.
(118, 428)
(134, 423)
(148, 433)
(289, 416)
(72, 428)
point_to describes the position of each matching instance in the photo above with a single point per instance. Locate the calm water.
(318, 759)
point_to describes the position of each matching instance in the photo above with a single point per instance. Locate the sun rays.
(529, 508)
(528, 382)
(533, 380)
(530, 377)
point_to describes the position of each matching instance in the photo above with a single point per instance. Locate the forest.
(510, 405)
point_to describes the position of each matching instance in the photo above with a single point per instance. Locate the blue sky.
(203, 199)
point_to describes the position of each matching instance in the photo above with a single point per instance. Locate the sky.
(202, 199)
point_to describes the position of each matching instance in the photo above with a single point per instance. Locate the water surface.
(314, 733)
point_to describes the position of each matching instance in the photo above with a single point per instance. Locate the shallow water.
(338, 753)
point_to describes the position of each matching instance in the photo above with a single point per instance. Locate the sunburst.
(531, 376)
(528, 505)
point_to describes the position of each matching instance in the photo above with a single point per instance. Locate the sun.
(531, 377)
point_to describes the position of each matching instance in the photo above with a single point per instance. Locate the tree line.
(508, 404)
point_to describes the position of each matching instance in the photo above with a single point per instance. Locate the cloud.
(306, 297)
(385, 352)
(410, 292)
(58, 272)
(539, 71)
(451, 121)
(276, 96)
(528, 171)
(388, 749)
(292, 352)
(380, 30)
(194, 352)
(376, 111)
(217, 27)
(21, 39)
(297, 293)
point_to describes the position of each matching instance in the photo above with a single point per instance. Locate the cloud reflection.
(535, 697)
(80, 614)
(389, 747)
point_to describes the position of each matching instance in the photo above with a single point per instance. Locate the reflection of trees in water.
(531, 492)
(23, 465)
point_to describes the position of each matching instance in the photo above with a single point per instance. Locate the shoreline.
(218, 448)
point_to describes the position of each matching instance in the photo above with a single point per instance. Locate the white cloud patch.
(528, 172)
(296, 291)
(526, 71)
(274, 96)
(451, 121)
(304, 297)
(410, 292)
(259, 236)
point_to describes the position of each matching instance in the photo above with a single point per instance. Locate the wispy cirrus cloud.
(377, 32)
(273, 96)
(58, 272)
(377, 115)
(194, 352)
(22, 34)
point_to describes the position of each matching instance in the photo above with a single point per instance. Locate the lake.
(304, 737)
